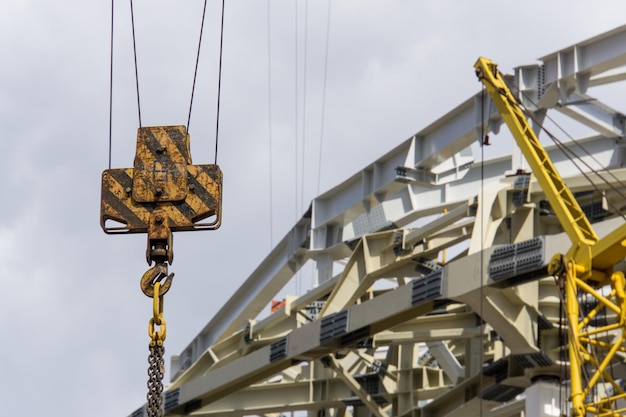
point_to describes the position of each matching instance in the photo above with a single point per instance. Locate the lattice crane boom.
(587, 265)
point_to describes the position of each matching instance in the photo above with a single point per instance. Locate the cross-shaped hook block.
(164, 181)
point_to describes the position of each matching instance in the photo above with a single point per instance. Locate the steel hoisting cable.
(295, 133)
(219, 75)
(572, 156)
(195, 72)
(304, 103)
(219, 83)
(565, 149)
(111, 85)
(304, 76)
(295, 107)
(132, 22)
(319, 161)
(269, 124)
(481, 213)
(575, 159)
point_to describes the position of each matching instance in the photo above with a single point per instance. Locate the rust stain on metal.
(187, 197)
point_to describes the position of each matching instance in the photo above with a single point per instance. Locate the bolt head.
(128, 190)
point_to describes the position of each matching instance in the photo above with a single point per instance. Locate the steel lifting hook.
(157, 273)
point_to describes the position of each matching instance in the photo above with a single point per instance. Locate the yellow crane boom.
(587, 265)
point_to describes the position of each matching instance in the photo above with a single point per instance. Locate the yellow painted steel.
(587, 265)
(188, 197)
(157, 336)
(574, 348)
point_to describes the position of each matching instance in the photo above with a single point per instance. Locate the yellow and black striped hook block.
(163, 188)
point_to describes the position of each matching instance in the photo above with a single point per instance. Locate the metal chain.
(156, 369)
(156, 363)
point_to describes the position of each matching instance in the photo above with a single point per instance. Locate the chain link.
(156, 363)
(156, 369)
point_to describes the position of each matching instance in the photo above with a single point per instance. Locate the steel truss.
(393, 328)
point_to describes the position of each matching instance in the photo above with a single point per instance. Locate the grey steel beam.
(380, 256)
(251, 298)
(431, 328)
(282, 271)
(361, 321)
(355, 387)
(565, 76)
(209, 358)
(270, 398)
(593, 114)
(303, 344)
(573, 68)
(304, 394)
(436, 177)
(451, 135)
(447, 361)
(457, 402)
(580, 106)
(292, 251)
(447, 219)
(371, 317)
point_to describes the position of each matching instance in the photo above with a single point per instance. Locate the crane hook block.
(163, 183)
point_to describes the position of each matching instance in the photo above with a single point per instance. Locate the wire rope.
(296, 112)
(219, 84)
(304, 90)
(319, 161)
(132, 22)
(482, 238)
(300, 123)
(111, 84)
(566, 150)
(269, 124)
(323, 111)
(193, 87)
(574, 141)
(195, 72)
(573, 157)
(296, 99)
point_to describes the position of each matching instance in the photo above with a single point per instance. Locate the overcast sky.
(73, 320)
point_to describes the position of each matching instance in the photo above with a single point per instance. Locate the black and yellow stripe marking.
(161, 159)
(202, 202)
(162, 178)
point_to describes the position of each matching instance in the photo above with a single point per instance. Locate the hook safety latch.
(156, 274)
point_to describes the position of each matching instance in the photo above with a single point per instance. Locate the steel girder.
(420, 336)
